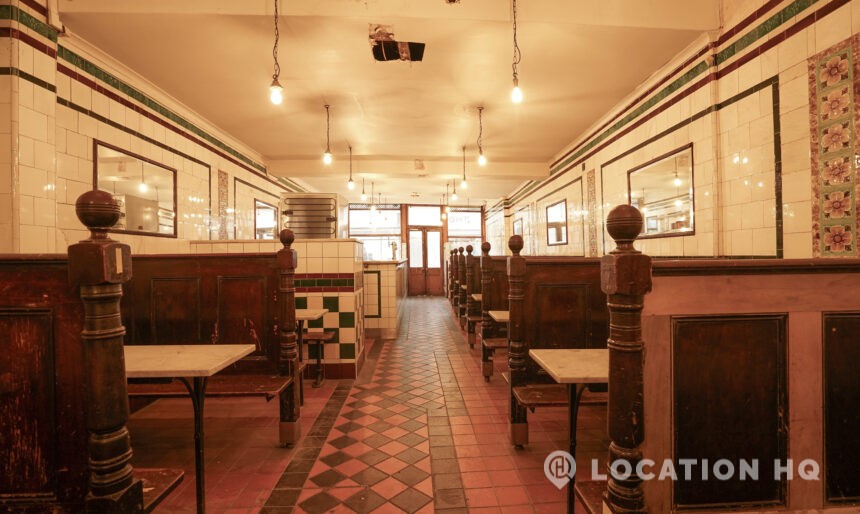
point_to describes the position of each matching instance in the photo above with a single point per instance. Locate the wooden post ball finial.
(287, 237)
(624, 224)
(515, 243)
(469, 249)
(460, 250)
(98, 211)
(485, 248)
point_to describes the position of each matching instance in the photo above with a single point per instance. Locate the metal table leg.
(197, 390)
(574, 392)
(300, 323)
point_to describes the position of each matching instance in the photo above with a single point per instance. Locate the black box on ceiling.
(398, 51)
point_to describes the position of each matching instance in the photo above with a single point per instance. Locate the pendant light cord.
(480, 132)
(518, 55)
(327, 130)
(277, 72)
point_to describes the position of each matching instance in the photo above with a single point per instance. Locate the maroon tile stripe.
(36, 6)
(30, 40)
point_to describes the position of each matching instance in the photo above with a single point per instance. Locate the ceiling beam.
(662, 14)
(406, 169)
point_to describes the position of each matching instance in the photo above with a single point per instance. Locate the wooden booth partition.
(754, 361)
(206, 299)
(43, 440)
(492, 335)
(554, 302)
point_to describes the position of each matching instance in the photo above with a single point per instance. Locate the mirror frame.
(96, 144)
(563, 203)
(648, 220)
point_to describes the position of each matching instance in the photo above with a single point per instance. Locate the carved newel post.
(486, 321)
(517, 350)
(288, 357)
(625, 277)
(99, 266)
(461, 277)
(455, 277)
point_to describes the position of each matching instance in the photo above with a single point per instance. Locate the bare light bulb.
(142, 187)
(327, 158)
(516, 94)
(464, 184)
(444, 215)
(276, 93)
(481, 159)
(373, 209)
(350, 185)
(363, 196)
(454, 196)
(447, 208)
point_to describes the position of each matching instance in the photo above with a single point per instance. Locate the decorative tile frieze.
(833, 88)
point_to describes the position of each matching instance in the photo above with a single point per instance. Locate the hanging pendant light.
(444, 205)
(142, 187)
(516, 92)
(327, 158)
(363, 194)
(276, 92)
(350, 184)
(454, 193)
(482, 161)
(372, 205)
(464, 184)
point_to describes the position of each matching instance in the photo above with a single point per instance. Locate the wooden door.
(425, 261)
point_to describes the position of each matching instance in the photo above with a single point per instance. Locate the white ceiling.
(578, 60)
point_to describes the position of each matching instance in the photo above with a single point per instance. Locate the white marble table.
(197, 362)
(500, 316)
(477, 297)
(303, 315)
(576, 368)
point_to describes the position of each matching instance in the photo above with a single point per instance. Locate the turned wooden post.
(625, 277)
(486, 281)
(455, 280)
(288, 357)
(518, 350)
(464, 293)
(99, 266)
(461, 277)
(452, 272)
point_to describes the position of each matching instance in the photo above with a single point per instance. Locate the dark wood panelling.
(205, 299)
(841, 405)
(560, 317)
(175, 307)
(731, 403)
(27, 434)
(241, 310)
(41, 326)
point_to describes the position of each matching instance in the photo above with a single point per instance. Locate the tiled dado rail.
(328, 276)
(384, 289)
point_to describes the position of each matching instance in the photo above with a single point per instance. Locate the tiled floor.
(419, 431)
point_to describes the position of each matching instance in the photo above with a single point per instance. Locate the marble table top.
(477, 297)
(310, 314)
(463, 286)
(181, 360)
(574, 366)
(500, 316)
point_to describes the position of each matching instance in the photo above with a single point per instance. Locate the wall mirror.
(662, 190)
(556, 223)
(265, 220)
(144, 189)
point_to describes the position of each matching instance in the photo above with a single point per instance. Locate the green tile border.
(13, 13)
(757, 33)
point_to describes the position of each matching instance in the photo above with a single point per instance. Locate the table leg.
(301, 327)
(319, 380)
(197, 390)
(574, 393)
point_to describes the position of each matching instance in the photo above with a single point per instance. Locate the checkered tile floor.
(418, 431)
(425, 433)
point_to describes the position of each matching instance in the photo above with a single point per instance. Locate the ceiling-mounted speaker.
(398, 51)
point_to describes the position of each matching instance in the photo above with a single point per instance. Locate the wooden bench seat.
(157, 484)
(590, 495)
(489, 345)
(541, 395)
(266, 386)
